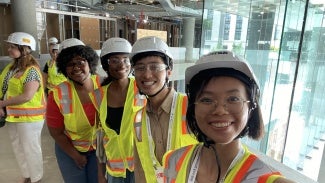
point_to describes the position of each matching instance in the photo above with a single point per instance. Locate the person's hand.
(102, 179)
(2, 112)
(80, 161)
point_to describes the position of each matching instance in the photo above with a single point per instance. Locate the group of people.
(132, 126)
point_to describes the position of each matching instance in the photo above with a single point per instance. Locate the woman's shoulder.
(283, 180)
(176, 154)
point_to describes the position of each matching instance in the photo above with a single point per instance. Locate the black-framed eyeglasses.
(232, 104)
(153, 67)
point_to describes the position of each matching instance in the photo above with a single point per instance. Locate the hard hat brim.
(237, 65)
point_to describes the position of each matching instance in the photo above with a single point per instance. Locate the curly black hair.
(86, 52)
(254, 127)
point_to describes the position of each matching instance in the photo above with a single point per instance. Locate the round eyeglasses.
(232, 104)
(76, 63)
(118, 61)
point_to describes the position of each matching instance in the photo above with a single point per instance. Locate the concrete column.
(188, 38)
(24, 19)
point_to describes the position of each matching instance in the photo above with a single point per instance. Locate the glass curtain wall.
(284, 43)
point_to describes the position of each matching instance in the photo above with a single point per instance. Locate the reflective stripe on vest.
(30, 111)
(178, 138)
(177, 162)
(269, 178)
(83, 143)
(170, 172)
(13, 111)
(120, 158)
(65, 96)
(138, 120)
(184, 108)
(82, 136)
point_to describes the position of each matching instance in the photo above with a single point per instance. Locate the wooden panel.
(144, 32)
(90, 32)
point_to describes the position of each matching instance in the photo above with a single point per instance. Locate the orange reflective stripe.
(12, 111)
(184, 108)
(167, 167)
(181, 159)
(265, 178)
(176, 160)
(245, 167)
(130, 161)
(116, 165)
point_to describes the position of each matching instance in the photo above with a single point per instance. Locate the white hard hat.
(23, 39)
(53, 40)
(69, 43)
(219, 59)
(116, 45)
(56, 47)
(149, 44)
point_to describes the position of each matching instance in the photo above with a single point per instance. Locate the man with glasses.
(160, 126)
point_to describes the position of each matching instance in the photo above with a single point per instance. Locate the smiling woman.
(223, 107)
(71, 115)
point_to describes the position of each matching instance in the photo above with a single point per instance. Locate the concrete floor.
(9, 171)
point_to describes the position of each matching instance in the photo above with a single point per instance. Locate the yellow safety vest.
(180, 136)
(178, 162)
(119, 148)
(77, 126)
(53, 77)
(31, 111)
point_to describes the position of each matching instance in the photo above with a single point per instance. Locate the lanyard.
(169, 138)
(195, 166)
(196, 162)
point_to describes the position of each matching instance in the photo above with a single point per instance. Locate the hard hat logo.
(26, 40)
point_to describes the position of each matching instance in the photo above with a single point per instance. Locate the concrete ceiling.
(163, 9)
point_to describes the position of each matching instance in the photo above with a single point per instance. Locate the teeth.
(220, 125)
(148, 83)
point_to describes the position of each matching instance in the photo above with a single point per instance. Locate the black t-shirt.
(114, 118)
(46, 68)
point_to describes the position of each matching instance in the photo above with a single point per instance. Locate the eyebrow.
(204, 91)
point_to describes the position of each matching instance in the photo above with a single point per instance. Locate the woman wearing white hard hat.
(223, 107)
(70, 114)
(115, 102)
(158, 127)
(22, 95)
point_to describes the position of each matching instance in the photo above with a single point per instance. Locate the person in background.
(160, 126)
(50, 74)
(70, 114)
(223, 96)
(22, 95)
(115, 102)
